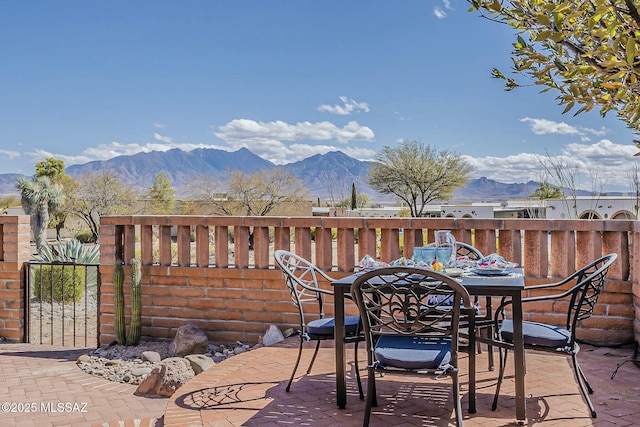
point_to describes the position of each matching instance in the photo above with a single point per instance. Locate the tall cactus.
(118, 302)
(135, 328)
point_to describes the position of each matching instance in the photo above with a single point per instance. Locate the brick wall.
(14, 252)
(238, 300)
(229, 304)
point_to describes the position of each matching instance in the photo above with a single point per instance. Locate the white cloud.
(249, 131)
(349, 107)
(603, 163)
(447, 4)
(9, 154)
(439, 13)
(544, 127)
(158, 125)
(161, 138)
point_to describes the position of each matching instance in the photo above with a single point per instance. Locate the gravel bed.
(125, 364)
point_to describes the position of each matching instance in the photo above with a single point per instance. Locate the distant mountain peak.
(325, 175)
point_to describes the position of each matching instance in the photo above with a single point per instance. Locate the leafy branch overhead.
(586, 51)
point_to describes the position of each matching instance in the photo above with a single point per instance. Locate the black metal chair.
(484, 319)
(301, 277)
(409, 327)
(581, 289)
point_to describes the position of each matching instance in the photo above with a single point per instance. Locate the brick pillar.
(15, 235)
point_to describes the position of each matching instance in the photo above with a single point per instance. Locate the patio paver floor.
(248, 389)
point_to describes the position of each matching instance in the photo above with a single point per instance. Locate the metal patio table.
(494, 286)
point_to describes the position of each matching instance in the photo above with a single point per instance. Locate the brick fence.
(15, 235)
(192, 275)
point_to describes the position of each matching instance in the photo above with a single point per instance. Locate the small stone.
(126, 378)
(199, 362)
(151, 356)
(140, 372)
(83, 358)
(239, 350)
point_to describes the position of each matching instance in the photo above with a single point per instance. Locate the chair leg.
(585, 388)
(456, 399)
(503, 364)
(357, 368)
(295, 368)
(371, 395)
(313, 359)
(582, 375)
(490, 349)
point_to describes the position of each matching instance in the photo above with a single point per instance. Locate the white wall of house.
(604, 207)
(472, 210)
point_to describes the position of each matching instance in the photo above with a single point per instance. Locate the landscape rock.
(83, 358)
(151, 356)
(189, 339)
(168, 376)
(199, 362)
(272, 336)
(139, 372)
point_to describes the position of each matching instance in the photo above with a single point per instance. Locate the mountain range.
(327, 176)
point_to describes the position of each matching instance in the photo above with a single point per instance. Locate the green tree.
(586, 51)
(50, 167)
(54, 170)
(102, 193)
(39, 196)
(418, 174)
(354, 196)
(547, 190)
(255, 194)
(161, 196)
(6, 203)
(362, 200)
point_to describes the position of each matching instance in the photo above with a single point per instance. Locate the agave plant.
(60, 284)
(71, 251)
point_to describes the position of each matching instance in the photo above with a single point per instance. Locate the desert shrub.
(65, 282)
(84, 236)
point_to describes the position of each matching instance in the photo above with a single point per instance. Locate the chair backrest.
(406, 301)
(301, 277)
(465, 250)
(589, 282)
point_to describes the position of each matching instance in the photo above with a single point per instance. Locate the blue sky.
(83, 81)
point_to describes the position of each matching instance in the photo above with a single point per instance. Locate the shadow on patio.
(249, 390)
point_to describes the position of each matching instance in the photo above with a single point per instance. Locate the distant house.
(602, 207)
(593, 207)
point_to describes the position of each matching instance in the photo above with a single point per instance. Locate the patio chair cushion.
(325, 326)
(537, 334)
(413, 352)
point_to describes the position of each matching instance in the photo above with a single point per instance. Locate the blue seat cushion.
(537, 334)
(413, 352)
(325, 326)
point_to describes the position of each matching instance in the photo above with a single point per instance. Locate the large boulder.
(166, 377)
(189, 339)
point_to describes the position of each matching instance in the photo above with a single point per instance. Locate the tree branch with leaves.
(585, 51)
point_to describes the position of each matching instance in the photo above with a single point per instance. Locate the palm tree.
(39, 197)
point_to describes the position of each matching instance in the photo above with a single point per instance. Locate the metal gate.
(62, 301)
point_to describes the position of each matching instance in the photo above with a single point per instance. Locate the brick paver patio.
(249, 390)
